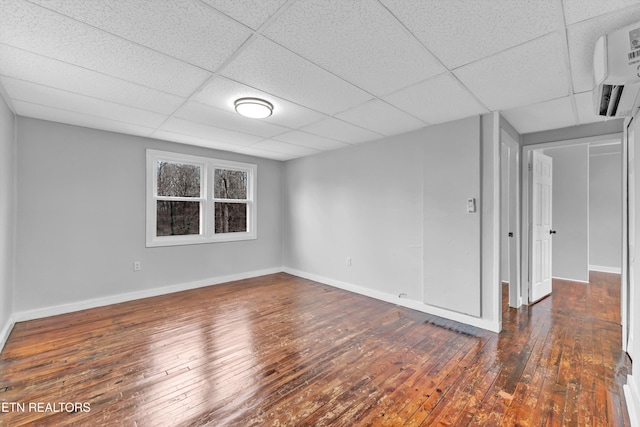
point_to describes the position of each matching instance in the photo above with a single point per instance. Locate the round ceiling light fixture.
(254, 108)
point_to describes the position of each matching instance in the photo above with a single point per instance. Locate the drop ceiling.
(338, 72)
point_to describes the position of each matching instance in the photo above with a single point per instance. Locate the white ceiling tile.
(253, 13)
(251, 151)
(586, 112)
(582, 38)
(356, 40)
(201, 113)
(62, 38)
(378, 116)
(312, 141)
(530, 73)
(20, 90)
(43, 112)
(580, 10)
(199, 130)
(341, 131)
(193, 140)
(554, 114)
(279, 72)
(461, 31)
(181, 22)
(28, 66)
(284, 148)
(221, 93)
(437, 100)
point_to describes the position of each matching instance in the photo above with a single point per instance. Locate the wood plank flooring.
(284, 351)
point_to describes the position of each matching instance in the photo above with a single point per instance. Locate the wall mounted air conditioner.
(616, 72)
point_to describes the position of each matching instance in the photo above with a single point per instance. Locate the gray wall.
(605, 210)
(81, 219)
(7, 216)
(570, 211)
(362, 202)
(451, 175)
(370, 203)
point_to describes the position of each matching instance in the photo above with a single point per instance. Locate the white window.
(193, 199)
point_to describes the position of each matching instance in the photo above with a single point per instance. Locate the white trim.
(588, 208)
(496, 273)
(495, 326)
(6, 331)
(632, 398)
(131, 296)
(616, 153)
(603, 269)
(598, 140)
(625, 280)
(569, 280)
(515, 287)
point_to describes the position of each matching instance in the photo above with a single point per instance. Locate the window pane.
(230, 184)
(178, 179)
(230, 217)
(178, 218)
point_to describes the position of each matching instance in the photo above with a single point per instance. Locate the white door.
(541, 231)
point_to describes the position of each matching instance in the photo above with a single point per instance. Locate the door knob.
(510, 234)
(552, 231)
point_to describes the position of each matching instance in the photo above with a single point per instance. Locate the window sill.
(199, 240)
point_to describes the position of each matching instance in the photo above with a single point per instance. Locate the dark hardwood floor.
(284, 351)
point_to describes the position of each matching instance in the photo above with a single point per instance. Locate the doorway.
(575, 233)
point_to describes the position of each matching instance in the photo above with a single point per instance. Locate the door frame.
(515, 295)
(628, 215)
(525, 272)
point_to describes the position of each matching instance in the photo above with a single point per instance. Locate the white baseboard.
(6, 330)
(394, 299)
(616, 270)
(570, 280)
(632, 398)
(130, 296)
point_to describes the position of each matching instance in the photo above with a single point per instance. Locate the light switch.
(471, 205)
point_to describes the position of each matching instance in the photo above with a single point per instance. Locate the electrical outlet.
(137, 266)
(348, 262)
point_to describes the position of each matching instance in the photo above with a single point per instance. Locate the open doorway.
(587, 209)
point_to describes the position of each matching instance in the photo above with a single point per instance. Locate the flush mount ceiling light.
(254, 108)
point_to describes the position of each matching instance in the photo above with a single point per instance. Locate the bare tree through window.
(230, 194)
(181, 181)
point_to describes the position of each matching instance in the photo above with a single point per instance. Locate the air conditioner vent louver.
(610, 100)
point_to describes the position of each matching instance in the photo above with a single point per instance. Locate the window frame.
(207, 200)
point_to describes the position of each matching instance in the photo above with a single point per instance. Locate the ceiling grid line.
(448, 71)
(565, 44)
